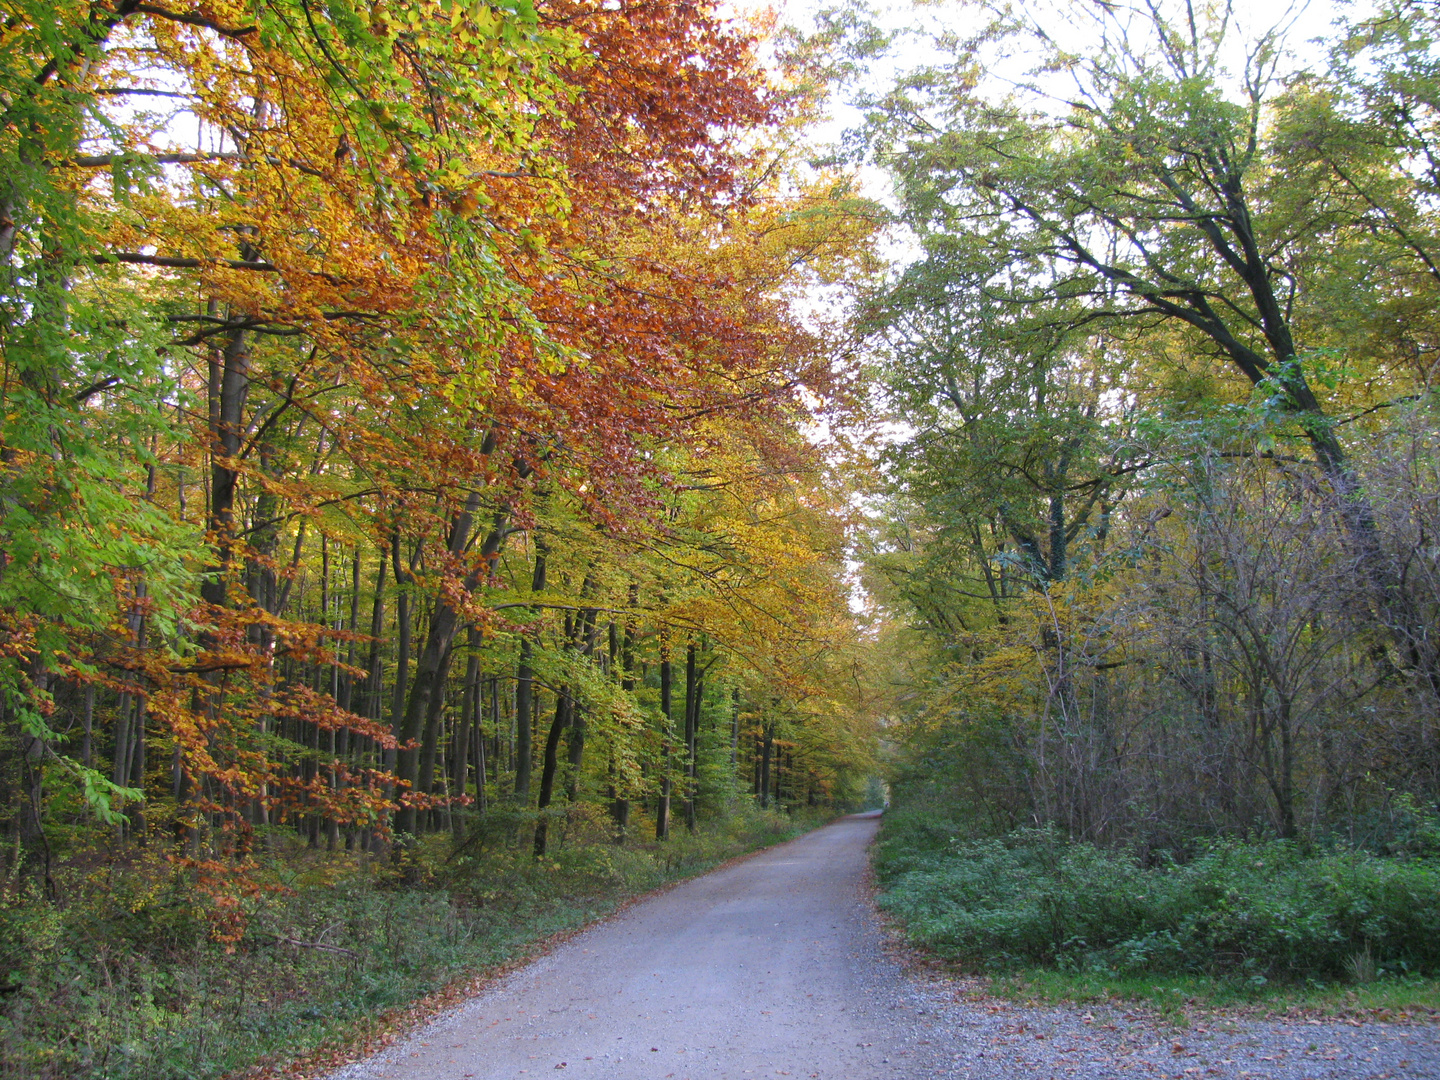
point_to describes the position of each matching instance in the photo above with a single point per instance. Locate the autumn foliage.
(325, 331)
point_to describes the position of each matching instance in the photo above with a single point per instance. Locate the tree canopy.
(377, 375)
(1154, 353)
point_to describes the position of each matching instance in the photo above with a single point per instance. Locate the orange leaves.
(226, 885)
(419, 260)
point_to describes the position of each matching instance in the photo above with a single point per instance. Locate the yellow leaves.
(479, 19)
(1002, 677)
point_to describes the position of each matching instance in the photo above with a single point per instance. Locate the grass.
(1263, 926)
(1181, 997)
(125, 979)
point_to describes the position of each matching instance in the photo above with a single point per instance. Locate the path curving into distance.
(775, 966)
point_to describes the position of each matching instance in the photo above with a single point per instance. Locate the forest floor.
(778, 966)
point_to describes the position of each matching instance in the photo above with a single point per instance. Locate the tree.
(1140, 181)
(1019, 451)
(312, 311)
(1181, 195)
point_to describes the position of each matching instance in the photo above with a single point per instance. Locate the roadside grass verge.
(126, 981)
(1264, 925)
(1178, 997)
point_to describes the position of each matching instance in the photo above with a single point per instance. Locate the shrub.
(1236, 908)
(123, 981)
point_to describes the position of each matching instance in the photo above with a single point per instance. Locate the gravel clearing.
(778, 966)
(994, 1039)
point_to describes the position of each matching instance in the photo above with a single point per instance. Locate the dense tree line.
(1158, 540)
(402, 422)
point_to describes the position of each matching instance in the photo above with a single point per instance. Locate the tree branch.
(191, 19)
(177, 263)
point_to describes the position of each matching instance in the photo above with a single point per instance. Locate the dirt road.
(769, 967)
(775, 967)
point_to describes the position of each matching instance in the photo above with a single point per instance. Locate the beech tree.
(349, 354)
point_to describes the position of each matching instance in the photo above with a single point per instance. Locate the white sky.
(1306, 22)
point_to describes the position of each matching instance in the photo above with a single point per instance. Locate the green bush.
(123, 981)
(1262, 909)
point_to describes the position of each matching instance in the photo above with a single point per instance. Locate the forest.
(409, 519)
(1158, 543)
(464, 464)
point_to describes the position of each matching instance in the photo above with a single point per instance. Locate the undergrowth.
(123, 979)
(1240, 920)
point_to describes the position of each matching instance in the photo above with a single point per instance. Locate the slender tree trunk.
(497, 756)
(627, 684)
(346, 696)
(563, 707)
(755, 764)
(477, 727)
(584, 637)
(87, 720)
(120, 766)
(766, 751)
(434, 710)
(229, 388)
(402, 649)
(734, 726)
(469, 713)
(331, 674)
(33, 753)
(692, 723)
(374, 693)
(525, 689)
(662, 813)
(575, 753)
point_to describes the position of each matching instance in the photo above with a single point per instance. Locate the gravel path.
(998, 1039)
(776, 966)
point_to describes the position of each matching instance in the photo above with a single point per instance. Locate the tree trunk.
(692, 723)
(563, 707)
(402, 649)
(575, 753)
(575, 744)
(662, 811)
(734, 726)
(434, 710)
(525, 689)
(478, 730)
(374, 695)
(766, 751)
(469, 714)
(621, 808)
(346, 695)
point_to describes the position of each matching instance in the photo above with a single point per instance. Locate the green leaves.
(101, 795)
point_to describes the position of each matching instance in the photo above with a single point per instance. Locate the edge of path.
(371, 1034)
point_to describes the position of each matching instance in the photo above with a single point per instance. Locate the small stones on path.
(988, 1039)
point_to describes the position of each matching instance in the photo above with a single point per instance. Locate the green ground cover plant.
(1179, 997)
(1245, 913)
(126, 980)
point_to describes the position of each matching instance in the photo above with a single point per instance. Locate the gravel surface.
(995, 1039)
(776, 966)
